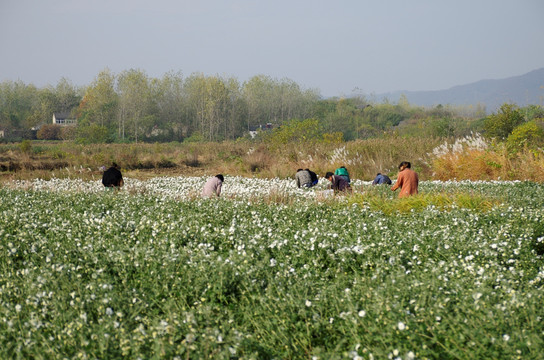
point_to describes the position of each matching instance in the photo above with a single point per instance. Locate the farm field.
(269, 271)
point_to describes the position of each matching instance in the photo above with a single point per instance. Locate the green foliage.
(532, 112)
(120, 276)
(501, 124)
(385, 116)
(196, 137)
(135, 107)
(378, 201)
(296, 131)
(91, 133)
(442, 127)
(333, 138)
(25, 146)
(529, 134)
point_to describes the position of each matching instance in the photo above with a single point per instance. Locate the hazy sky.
(335, 46)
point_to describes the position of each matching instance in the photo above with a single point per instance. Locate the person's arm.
(335, 183)
(400, 180)
(218, 190)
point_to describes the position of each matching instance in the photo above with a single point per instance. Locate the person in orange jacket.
(407, 180)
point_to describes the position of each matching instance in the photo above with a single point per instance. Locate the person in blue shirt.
(381, 179)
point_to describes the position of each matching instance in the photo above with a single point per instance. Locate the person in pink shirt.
(213, 186)
(407, 180)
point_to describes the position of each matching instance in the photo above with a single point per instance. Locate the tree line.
(132, 106)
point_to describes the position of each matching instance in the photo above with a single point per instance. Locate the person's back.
(407, 180)
(313, 176)
(303, 178)
(112, 178)
(338, 183)
(382, 179)
(213, 186)
(342, 171)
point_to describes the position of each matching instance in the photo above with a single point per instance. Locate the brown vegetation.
(363, 158)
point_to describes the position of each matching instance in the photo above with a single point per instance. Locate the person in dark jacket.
(313, 175)
(381, 179)
(112, 177)
(338, 183)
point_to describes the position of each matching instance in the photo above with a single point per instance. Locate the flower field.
(269, 271)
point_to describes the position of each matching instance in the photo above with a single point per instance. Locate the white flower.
(308, 303)
(18, 308)
(362, 313)
(410, 356)
(506, 337)
(401, 326)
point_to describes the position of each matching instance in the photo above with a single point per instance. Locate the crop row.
(155, 273)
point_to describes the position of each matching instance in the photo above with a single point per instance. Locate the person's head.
(328, 176)
(220, 177)
(342, 167)
(378, 174)
(299, 170)
(114, 165)
(405, 165)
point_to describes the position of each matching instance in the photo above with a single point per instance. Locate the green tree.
(209, 99)
(501, 124)
(135, 103)
(296, 131)
(258, 92)
(17, 103)
(171, 102)
(88, 133)
(99, 104)
(67, 96)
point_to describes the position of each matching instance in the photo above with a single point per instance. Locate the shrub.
(68, 133)
(25, 146)
(91, 134)
(501, 124)
(49, 132)
(299, 131)
(530, 135)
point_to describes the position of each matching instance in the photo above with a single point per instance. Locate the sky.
(340, 47)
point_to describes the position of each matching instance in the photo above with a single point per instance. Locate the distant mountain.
(521, 90)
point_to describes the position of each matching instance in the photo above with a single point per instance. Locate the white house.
(64, 118)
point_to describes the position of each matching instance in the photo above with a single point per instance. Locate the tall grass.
(488, 162)
(379, 199)
(431, 158)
